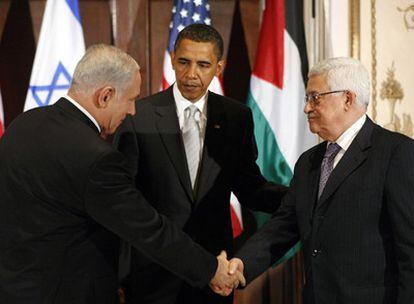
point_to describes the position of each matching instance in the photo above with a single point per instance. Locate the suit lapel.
(352, 159)
(213, 141)
(170, 133)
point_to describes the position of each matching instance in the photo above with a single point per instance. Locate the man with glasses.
(350, 202)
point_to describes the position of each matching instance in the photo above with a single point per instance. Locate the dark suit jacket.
(63, 189)
(358, 240)
(153, 144)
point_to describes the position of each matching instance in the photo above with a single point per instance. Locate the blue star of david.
(60, 70)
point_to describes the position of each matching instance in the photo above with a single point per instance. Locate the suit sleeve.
(399, 196)
(250, 187)
(273, 240)
(113, 201)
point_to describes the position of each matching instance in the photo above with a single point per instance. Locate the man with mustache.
(351, 200)
(189, 148)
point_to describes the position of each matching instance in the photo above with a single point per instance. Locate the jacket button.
(315, 252)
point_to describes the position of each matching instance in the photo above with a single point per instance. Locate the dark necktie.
(327, 165)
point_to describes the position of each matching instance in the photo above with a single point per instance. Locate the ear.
(350, 99)
(220, 67)
(103, 96)
(172, 56)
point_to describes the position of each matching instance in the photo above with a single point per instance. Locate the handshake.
(229, 275)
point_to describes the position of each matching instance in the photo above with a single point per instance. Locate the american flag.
(184, 13)
(187, 12)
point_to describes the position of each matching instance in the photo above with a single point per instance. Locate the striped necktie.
(327, 165)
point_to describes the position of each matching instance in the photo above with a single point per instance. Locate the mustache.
(311, 115)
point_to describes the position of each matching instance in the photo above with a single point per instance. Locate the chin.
(190, 97)
(112, 132)
(313, 128)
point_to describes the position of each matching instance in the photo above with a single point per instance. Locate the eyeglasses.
(313, 98)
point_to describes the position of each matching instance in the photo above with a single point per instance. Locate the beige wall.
(387, 49)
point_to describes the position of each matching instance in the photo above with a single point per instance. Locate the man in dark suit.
(351, 200)
(189, 148)
(65, 191)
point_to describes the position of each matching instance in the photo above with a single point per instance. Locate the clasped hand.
(229, 275)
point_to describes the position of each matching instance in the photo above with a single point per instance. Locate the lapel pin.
(217, 126)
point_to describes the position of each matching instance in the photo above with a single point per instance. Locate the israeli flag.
(60, 47)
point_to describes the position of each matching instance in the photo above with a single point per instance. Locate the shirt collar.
(84, 111)
(182, 103)
(345, 140)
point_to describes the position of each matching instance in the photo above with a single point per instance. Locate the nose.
(307, 107)
(192, 71)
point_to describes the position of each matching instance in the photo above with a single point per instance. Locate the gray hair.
(103, 65)
(344, 73)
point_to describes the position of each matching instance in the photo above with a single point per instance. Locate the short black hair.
(202, 33)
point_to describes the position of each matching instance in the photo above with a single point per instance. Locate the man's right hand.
(236, 265)
(229, 275)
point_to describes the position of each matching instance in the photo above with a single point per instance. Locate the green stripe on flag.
(292, 251)
(271, 162)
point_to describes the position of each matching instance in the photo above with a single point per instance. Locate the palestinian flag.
(277, 89)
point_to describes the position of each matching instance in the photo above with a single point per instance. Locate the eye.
(204, 65)
(183, 62)
(312, 98)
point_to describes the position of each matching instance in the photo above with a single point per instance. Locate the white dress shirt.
(345, 140)
(84, 111)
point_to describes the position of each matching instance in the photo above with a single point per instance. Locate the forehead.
(193, 49)
(316, 83)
